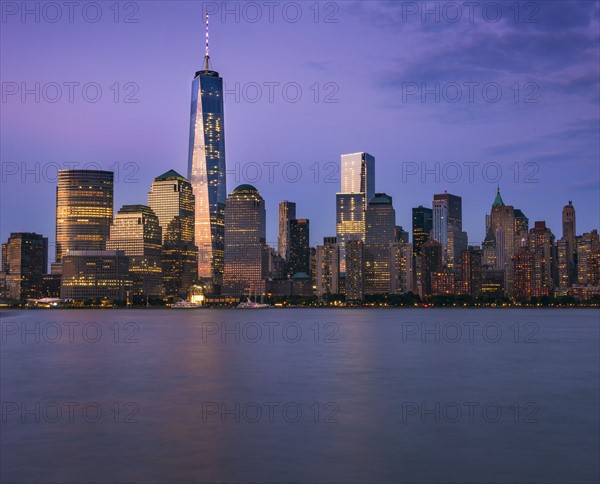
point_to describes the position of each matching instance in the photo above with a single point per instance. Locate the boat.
(249, 304)
(185, 305)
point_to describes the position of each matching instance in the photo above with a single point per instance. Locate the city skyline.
(573, 133)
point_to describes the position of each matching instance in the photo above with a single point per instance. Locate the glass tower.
(380, 234)
(356, 191)
(246, 251)
(84, 210)
(172, 201)
(206, 171)
(136, 231)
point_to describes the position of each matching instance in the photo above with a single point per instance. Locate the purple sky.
(369, 61)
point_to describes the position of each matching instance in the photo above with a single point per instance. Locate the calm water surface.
(302, 395)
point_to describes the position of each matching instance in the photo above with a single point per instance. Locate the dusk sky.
(371, 61)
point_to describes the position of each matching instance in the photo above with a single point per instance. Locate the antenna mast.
(206, 56)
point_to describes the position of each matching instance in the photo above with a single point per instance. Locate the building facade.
(96, 274)
(299, 253)
(172, 200)
(287, 212)
(206, 172)
(24, 262)
(136, 231)
(246, 251)
(84, 210)
(357, 188)
(380, 234)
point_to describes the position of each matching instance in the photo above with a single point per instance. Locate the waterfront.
(303, 395)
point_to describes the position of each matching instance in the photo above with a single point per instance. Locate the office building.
(172, 201)
(246, 251)
(84, 210)
(206, 171)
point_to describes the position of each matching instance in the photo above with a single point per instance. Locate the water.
(502, 395)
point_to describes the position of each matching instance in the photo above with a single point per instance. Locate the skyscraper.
(431, 261)
(25, 257)
(287, 212)
(299, 260)
(502, 221)
(402, 267)
(380, 234)
(422, 225)
(136, 232)
(327, 267)
(355, 264)
(470, 271)
(521, 222)
(457, 241)
(356, 190)
(569, 229)
(541, 245)
(524, 268)
(206, 170)
(447, 210)
(588, 246)
(246, 251)
(172, 200)
(84, 210)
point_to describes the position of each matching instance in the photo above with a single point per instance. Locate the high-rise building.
(470, 271)
(172, 200)
(447, 211)
(327, 267)
(569, 234)
(521, 223)
(299, 260)
(84, 210)
(402, 235)
(524, 268)
(206, 170)
(380, 233)
(541, 245)
(502, 221)
(588, 245)
(95, 274)
(562, 263)
(287, 212)
(431, 261)
(402, 268)
(246, 251)
(569, 229)
(357, 177)
(488, 248)
(422, 225)
(443, 283)
(457, 241)
(136, 231)
(25, 261)
(355, 265)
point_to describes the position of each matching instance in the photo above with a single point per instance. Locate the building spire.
(206, 56)
(498, 202)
